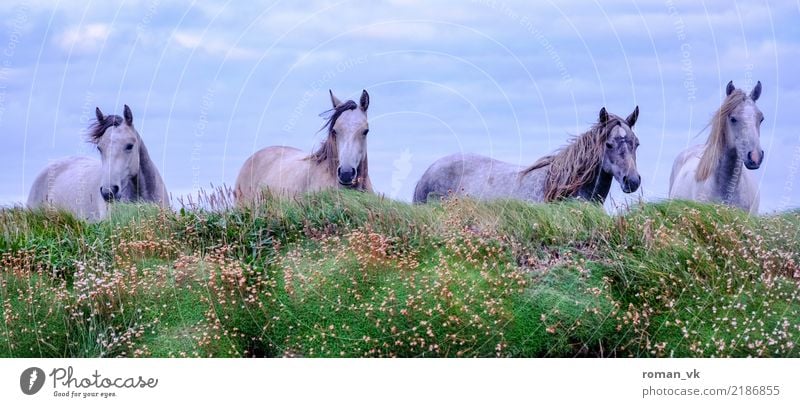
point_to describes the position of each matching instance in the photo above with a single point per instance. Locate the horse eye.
(733, 120)
(129, 147)
(366, 131)
(98, 149)
(609, 144)
(761, 121)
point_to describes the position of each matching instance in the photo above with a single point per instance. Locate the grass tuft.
(342, 273)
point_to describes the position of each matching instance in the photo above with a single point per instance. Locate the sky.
(211, 82)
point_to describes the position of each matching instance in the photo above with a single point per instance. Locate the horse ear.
(603, 116)
(364, 100)
(334, 100)
(99, 115)
(128, 115)
(633, 117)
(729, 89)
(756, 92)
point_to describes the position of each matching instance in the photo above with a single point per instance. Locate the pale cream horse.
(341, 161)
(714, 172)
(85, 186)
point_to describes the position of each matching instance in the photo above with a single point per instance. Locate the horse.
(713, 172)
(583, 169)
(85, 186)
(340, 161)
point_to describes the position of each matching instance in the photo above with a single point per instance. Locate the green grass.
(349, 274)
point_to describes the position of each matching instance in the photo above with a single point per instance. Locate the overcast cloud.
(211, 82)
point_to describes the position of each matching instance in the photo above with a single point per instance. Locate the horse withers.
(340, 162)
(583, 169)
(85, 186)
(714, 172)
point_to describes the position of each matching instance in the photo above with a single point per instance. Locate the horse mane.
(148, 181)
(577, 164)
(715, 145)
(328, 151)
(98, 128)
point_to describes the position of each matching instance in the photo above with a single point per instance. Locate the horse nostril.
(346, 175)
(106, 194)
(115, 189)
(635, 182)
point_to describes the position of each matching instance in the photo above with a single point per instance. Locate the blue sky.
(211, 82)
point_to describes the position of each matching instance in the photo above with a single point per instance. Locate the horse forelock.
(336, 112)
(577, 163)
(98, 128)
(715, 145)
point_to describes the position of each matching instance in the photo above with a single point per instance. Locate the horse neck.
(597, 189)
(728, 173)
(148, 179)
(363, 181)
(327, 157)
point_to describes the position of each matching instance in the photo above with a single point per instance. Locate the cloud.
(402, 31)
(83, 39)
(502, 77)
(320, 58)
(213, 47)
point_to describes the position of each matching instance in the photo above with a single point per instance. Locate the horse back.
(473, 175)
(683, 169)
(72, 183)
(283, 170)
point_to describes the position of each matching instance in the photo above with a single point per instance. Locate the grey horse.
(583, 169)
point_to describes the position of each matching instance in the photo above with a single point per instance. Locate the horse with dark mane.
(582, 169)
(85, 186)
(341, 160)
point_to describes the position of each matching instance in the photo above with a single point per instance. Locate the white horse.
(85, 186)
(714, 172)
(341, 161)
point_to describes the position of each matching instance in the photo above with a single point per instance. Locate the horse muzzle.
(752, 164)
(110, 194)
(631, 183)
(346, 176)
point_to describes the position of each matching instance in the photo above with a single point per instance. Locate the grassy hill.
(350, 274)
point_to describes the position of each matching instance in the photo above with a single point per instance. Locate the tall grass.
(342, 273)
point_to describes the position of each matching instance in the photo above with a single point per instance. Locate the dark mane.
(98, 128)
(575, 165)
(327, 151)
